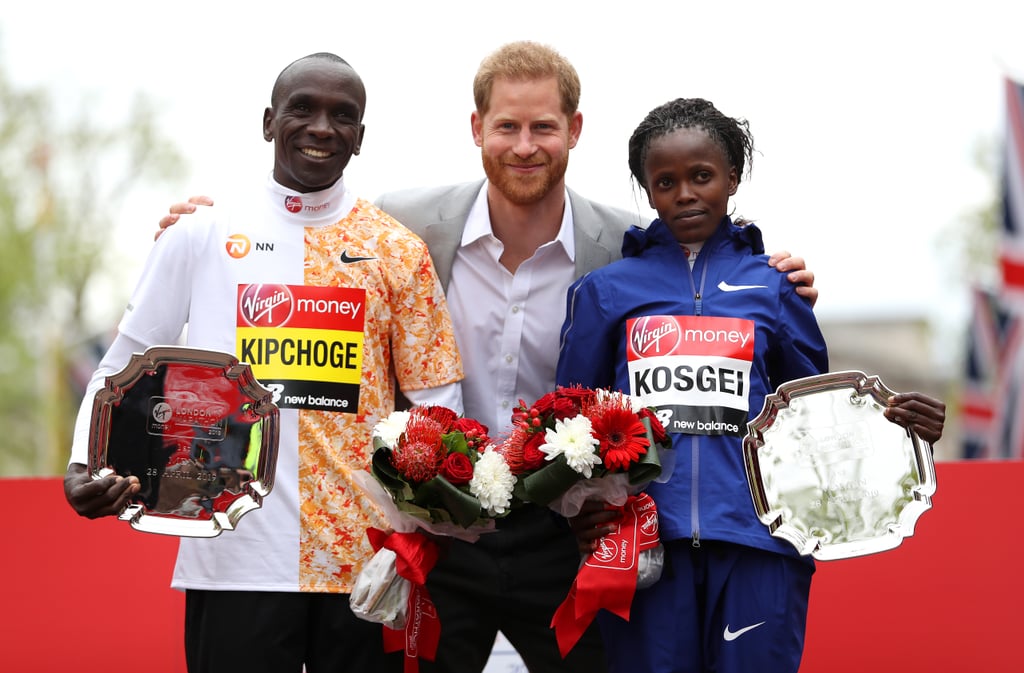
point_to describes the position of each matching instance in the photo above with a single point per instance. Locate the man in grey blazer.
(438, 216)
(506, 250)
(511, 581)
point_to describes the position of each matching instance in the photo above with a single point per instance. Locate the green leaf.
(384, 472)
(549, 482)
(463, 507)
(649, 466)
(455, 442)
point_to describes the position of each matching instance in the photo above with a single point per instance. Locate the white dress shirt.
(507, 325)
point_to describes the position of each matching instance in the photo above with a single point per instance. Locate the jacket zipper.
(698, 309)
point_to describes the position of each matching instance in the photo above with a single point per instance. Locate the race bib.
(304, 343)
(695, 370)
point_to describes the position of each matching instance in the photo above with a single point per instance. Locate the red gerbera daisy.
(622, 435)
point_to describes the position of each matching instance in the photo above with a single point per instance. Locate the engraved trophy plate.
(830, 474)
(198, 431)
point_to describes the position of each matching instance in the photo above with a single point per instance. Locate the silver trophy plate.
(197, 430)
(830, 474)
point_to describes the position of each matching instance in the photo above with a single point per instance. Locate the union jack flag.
(993, 402)
(982, 365)
(1008, 406)
(1011, 259)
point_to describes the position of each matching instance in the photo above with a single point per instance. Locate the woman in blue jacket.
(694, 322)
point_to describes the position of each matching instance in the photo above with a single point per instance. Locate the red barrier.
(947, 600)
(92, 596)
(80, 595)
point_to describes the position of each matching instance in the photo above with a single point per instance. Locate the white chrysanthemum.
(391, 428)
(492, 482)
(573, 438)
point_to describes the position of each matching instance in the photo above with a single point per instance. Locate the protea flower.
(512, 449)
(419, 454)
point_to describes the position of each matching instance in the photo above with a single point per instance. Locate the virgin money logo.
(293, 204)
(162, 412)
(238, 246)
(649, 523)
(654, 335)
(606, 551)
(266, 305)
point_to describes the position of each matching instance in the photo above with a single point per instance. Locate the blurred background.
(885, 137)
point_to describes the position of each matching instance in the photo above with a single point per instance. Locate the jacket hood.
(747, 236)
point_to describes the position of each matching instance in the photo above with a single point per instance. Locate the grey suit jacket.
(438, 216)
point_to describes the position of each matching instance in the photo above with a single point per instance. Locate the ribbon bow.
(416, 555)
(607, 578)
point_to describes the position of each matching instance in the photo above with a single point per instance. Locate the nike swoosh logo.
(725, 287)
(733, 635)
(345, 259)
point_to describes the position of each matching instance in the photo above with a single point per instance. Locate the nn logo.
(238, 245)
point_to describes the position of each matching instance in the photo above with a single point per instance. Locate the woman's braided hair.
(732, 135)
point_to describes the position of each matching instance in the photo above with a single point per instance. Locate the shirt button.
(508, 358)
(515, 309)
(504, 404)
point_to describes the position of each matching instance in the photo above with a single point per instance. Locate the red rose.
(533, 457)
(657, 429)
(582, 397)
(475, 432)
(465, 425)
(564, 408)
(545, 404)
(457, 469)
(443, 415)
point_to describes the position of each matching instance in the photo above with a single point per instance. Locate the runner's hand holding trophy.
(196, 429)
(832, 475)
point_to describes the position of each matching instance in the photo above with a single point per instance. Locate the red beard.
(524, 190)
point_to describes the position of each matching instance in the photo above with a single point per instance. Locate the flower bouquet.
(578, 444)
(432, 473)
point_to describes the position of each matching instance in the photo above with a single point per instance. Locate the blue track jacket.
(705, 347)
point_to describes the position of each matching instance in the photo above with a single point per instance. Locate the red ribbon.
(416, 555)
(607, 578)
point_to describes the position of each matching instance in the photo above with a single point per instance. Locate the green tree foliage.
(980, 229)
(63, 178)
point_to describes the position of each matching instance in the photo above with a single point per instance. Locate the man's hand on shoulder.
(797, 272)
(179, 209)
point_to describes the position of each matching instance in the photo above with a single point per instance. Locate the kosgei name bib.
(694, 369)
